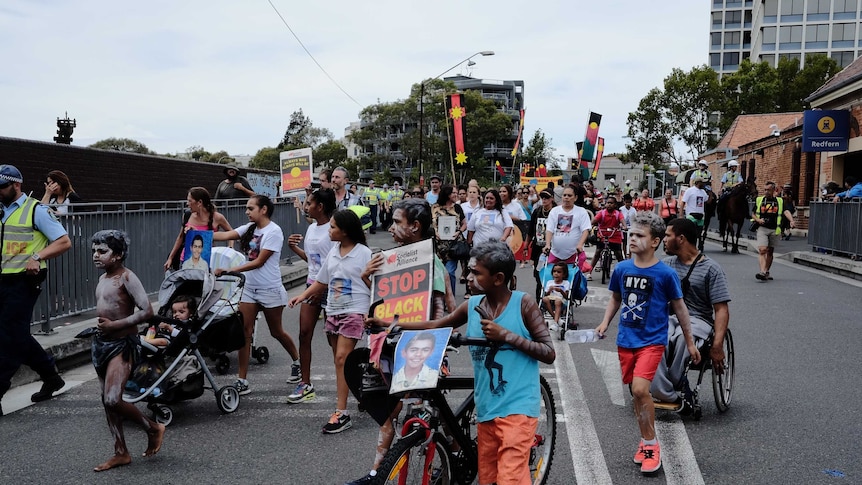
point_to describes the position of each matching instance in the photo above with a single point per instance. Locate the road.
(794, 416)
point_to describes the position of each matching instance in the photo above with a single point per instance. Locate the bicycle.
(424, 452)
(606, 256)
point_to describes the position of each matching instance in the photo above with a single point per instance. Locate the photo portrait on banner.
(198, 248)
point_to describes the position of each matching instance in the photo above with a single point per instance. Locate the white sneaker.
(553, 327)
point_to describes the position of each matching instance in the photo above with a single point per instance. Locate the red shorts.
(641, 362)
(504, 449)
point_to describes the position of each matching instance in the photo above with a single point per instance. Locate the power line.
(311, 56)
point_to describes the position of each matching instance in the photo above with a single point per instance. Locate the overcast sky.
(226, 75)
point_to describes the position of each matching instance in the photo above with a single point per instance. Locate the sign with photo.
(447, 227)
(295, 171)
(418, 357)
(197, 250)
(404, 283)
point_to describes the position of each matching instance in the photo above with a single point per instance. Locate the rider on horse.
(728, 181)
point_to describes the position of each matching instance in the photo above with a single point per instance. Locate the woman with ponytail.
(203, 217)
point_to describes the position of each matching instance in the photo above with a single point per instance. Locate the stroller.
(176, 372)
(226, 258)
(576, 296)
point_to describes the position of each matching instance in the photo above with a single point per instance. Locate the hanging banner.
(404, 283)
(599, 150)
(520, 132)
(541, 183)
(591, 138)
(295, 171)
(456, 112)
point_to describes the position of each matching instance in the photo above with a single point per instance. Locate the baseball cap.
(10, 174)
(385, 186)
(435, 176)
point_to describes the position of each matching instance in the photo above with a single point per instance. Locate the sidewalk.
(70, 352)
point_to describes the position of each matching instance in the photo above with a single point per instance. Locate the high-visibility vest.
(21, 239)
(397, 194)
(371, 195)
(384, 194)
(733, 178)
(364, 214)
(759, 201)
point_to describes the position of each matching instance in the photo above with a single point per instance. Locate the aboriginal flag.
(592, 137)
(599, 150)
(520, 131)
(456, 112)
(500, 168)
(579, 148)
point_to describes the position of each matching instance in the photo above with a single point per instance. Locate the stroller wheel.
(227, 399)
(222, 364)
(261, 354)
(163, 415)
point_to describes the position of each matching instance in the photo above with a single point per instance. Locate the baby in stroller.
(182, 309)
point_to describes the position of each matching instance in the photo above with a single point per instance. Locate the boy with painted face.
(646, 285)
(121, 304)
(507, 391)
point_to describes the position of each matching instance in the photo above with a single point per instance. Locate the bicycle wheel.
(606, 265)
(542, 452)
(405, 462)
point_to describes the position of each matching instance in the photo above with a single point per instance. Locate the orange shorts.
(504, 449)
(641, 362)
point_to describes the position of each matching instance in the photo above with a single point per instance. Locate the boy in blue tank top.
(644, 286)
(507, 393)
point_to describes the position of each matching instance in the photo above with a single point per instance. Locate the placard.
(447, 227)
(418, 357)
(295, 171)
(198, 247)
(404, 283)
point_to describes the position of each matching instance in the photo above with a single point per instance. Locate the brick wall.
(106, 175)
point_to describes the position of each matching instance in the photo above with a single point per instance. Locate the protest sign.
(418, 357)
(404, 283)
(295, 171)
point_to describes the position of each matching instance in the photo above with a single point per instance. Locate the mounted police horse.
(733, 212)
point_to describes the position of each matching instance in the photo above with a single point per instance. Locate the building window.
(733, 18)
(790, 37)
(715, 61)
(818, 9)
(717, 19)
(770, 11)
(843, 58)
(717, 3)
(845, 9)
(792, 7)
(843, 32)
(769, 59)
(816, 36)
(791, 56)
(730, 59)
(715, 39)
(769, 35)
(746, 39)
(732, 39)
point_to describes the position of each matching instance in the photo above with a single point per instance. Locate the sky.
(226, 75)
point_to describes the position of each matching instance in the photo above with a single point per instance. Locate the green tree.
(267, 159)
(330, 154)
(199, 153)
(302, 133)
(220, 156)
(122, 145)
(539, 150)
(649, 130)
(689, 99)
(753, 88)
(818, 69)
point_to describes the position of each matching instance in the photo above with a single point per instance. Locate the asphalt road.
(794, 416)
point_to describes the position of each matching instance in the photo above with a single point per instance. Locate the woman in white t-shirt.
(566, 230)
(510, 204)
(318, 207)
(347, 281)
(490, 222)
(261, 240)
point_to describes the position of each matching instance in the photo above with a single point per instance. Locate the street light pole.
(422, 110)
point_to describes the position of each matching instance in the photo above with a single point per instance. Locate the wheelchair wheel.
(722, 384)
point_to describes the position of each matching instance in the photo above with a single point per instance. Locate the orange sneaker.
(651, 458)
(639, 455)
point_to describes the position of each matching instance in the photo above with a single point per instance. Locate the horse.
(708, 213)
(734, 212)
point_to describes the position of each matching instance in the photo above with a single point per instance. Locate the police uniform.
(27, 228)
(385, 196)
(372, 196)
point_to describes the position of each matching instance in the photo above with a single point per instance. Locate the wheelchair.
(722, 384)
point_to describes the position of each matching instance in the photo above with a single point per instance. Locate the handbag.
(753, 227)
(459, 250)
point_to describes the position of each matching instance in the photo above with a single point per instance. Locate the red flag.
(520, 130)
(599, 150)
(455, 110)
(591, 138)
(500, 169)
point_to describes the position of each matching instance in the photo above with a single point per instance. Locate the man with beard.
(338, 182)
(235, 186)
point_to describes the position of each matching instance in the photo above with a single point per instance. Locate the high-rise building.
(768, 30)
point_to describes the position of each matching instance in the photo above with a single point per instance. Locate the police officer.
(372, 198)
(30, 236)
(396, 193)
(385, 196)
(732, 178)
(703, 172)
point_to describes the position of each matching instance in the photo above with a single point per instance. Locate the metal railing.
(836, 227)
(152, 228)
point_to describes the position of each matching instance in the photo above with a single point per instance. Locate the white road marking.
(608, 363)
(587, 456)
(678, 460)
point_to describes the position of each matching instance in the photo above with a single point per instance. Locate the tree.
(690, 98)
(539, 150)
(753, 88)
(197, 152)
(649, 130)
(123, 145)
(330, 154)
(301, 133)
(818, 69)
(267, 159)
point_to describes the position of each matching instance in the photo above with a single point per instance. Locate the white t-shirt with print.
(272, 238)
(488, 224)
(568, 227)
(551, 292)
(317, 246)
(347, 293)
(469, 210)
(694, 199)
(514, 209)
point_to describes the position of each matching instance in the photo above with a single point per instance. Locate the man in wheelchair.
(706, 295)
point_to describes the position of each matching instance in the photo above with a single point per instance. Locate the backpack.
(579, 286)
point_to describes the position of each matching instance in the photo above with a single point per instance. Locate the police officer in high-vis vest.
(385, 196)
(30, 235)
(768, 212)
(372, 196)
(396, 193)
